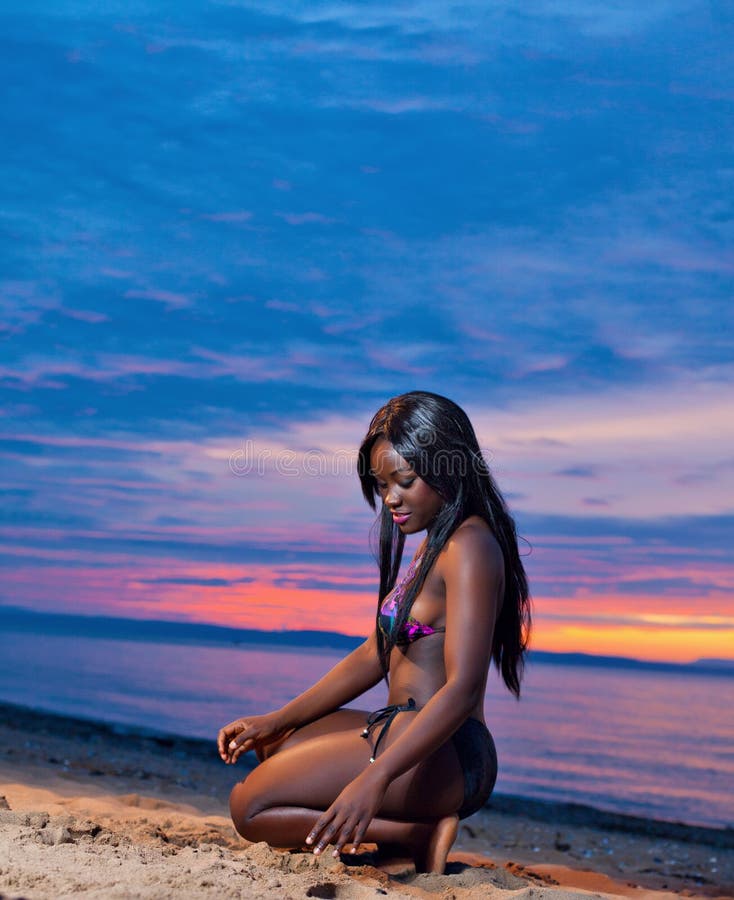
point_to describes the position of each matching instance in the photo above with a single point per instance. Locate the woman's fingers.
(231, 738)
(347, 819)
(246, 734)
(322, 832)
(337, 829)
(358, 836)
(239, 746)
(345, 836)
(223, 739)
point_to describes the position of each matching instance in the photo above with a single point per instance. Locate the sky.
(229, 232)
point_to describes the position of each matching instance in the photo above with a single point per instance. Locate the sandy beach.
(96, 810)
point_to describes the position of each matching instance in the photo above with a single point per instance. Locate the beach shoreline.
(167, 795)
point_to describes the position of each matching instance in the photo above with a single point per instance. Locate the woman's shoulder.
(473, 541)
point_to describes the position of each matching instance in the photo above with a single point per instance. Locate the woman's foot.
(431, 852)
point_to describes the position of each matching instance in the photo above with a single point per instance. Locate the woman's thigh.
(312, 771)
(341, 720)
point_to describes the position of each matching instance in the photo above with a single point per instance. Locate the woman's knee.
(244, 805)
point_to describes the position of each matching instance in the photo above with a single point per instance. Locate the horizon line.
(160, 629)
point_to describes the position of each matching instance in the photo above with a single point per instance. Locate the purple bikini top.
(412, 629)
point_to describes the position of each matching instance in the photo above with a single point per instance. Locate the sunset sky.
(229, 232)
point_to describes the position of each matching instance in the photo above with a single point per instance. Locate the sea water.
(656, 744)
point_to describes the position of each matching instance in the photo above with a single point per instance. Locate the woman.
(406, 774)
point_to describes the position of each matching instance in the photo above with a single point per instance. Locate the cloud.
(578, 472)
(305, 218)
(471, 208)
(321, 585)
(170, 299)
(200, 582)
(235, 217)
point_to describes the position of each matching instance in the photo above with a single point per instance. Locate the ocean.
(647, 743)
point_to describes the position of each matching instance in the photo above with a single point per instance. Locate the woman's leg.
(341, 720)
(282, 798)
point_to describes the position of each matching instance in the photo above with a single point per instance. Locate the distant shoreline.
(29, 720)
(166, 631)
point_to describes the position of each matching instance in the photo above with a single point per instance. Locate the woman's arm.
(473, 569)
(355, 674)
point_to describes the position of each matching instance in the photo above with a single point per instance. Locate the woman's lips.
(400, 520)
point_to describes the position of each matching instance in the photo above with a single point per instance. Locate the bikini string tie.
(386, 715)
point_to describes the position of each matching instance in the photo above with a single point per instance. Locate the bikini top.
(412, 629)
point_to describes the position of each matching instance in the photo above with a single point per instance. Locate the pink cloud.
(240, 215)
(171, 299)
(85, 315)
(116, 273)
(305, 218)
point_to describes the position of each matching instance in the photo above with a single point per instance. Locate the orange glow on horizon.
(264, 605)
(661, 644)
(317, 596)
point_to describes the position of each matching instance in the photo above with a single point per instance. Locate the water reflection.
(642, 742)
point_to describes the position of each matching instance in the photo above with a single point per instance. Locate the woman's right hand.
(249, 733)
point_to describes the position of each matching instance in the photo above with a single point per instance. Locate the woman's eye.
(404, 484)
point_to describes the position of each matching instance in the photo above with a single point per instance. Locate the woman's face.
(413, 503)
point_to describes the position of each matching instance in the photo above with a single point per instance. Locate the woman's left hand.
(347, 819)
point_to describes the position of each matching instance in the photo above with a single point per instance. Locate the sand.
(96, 811)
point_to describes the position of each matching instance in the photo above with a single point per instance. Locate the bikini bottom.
(478, 760)
(474, 747)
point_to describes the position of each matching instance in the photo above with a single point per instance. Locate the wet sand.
(99, 810)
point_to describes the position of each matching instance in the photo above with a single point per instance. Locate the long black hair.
(435, 436)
